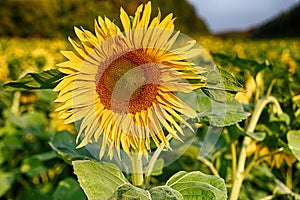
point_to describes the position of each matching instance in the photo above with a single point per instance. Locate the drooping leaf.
(41, 80)
(68, 189)
(196, 185)
(284, 192)
(99, 180)
(283, 117)
(293, 138)
(215, 113)
(165, 193)
(45, 156)
(130, 192)
(64, 143)
(221, 114)
(221, 85)
(258, 136)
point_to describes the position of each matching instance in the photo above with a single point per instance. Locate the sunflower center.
(129, 83)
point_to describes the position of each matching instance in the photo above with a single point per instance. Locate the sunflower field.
(250, 151)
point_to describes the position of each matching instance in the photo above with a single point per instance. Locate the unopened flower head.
(122, 84)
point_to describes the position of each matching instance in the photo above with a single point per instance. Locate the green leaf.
(221, 85)
(293, 138)
(215, 113)
(223, 114)
(196, 185)
(41, 80)
(158, 167)
(192, 152)
(283, 117)
(68, 189)
(258, 136)
(130, 192)
(6, 181)
(165, 193)
(45, 156)
(99, 180)
(211, 142)
(64, 143)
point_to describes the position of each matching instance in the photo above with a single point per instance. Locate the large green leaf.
(221, 85)
(99, 180)
(68, 189)
(41, 80)
(196, 185)
(165, 193)
(293, 138)
(130, 192)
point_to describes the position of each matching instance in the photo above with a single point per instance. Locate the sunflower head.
(122, 85)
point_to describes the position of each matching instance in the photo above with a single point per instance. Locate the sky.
(236, 15)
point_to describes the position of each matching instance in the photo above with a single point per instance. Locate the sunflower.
(121, 85)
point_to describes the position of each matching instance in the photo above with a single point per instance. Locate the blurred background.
(33, 32)
(56, 18)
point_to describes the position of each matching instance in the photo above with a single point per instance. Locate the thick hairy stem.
(137, 169)
(240, 175)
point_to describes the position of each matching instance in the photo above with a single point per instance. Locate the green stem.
(137, 169)
(16, 103)
(152, 162)
(240, 175)
(289, 178)
(271, 87)
(233, 154)
(209, 165)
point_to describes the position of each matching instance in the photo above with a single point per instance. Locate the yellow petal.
(137, 16)
(125, 20)
(146, 16)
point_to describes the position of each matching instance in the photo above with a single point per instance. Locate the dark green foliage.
(42, 80)
(56, 18)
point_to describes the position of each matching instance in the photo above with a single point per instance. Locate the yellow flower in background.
(121, 84)
(274, 160)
